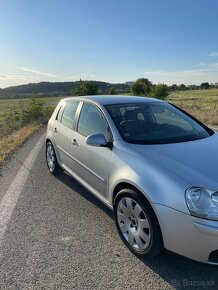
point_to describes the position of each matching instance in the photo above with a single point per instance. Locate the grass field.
(6, 105)
(203, 104)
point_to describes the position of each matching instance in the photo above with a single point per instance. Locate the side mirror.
(97, 140)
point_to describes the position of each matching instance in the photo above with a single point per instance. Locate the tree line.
(141, 87)
(202, 86)
(50, 89)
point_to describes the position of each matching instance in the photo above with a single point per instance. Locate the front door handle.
(74, 141)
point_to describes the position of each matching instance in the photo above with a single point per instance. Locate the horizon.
(111, 83)
(115, 42)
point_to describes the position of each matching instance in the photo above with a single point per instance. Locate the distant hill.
(46, 89)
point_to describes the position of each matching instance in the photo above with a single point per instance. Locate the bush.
(205, 86)
(32, 110)
(141, 87)
(112, 91)
(182, 87)
(86, 89)
(160, 91)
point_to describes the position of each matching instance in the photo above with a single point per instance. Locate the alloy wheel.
(50, 158)
(133, 223)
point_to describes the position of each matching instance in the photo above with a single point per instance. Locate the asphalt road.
(56, 235)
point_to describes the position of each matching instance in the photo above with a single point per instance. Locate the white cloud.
(209, 73)
(14, 77)
(33, 76)
(34, 71)
(7, 80)
(210, 65)
(214, 53)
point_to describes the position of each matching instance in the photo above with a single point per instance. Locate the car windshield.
(155, 123)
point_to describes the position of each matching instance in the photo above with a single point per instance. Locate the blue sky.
(172, 41)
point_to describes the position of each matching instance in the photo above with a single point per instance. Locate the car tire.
(51, 160)
(137, 224)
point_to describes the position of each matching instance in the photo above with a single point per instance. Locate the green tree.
(141, 87)
(112, 91)
(160, 91)
(86, 89)
(182, 87)
(205, 86)
(174, 87)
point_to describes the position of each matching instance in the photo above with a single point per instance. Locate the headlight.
(202, 202)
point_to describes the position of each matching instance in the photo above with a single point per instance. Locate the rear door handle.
(74, 141)
(55, 130)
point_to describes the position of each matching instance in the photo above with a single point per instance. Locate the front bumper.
(187, 235)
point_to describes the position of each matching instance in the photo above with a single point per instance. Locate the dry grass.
(8, 104)
(202, 104)
(9, 143)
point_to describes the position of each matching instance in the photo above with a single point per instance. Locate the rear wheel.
(137, 224)
(51, 159)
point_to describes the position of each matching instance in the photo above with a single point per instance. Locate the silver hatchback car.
(149, 161)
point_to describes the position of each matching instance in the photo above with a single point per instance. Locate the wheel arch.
(48, 140)
(125, 184)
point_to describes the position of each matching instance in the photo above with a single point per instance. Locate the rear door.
(63, 131)
(92, 163)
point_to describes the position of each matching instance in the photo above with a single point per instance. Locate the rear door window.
(69, 113)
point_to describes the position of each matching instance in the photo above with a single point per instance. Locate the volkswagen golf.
(149, 161)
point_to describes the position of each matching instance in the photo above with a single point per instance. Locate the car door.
(92, 162)
(63, 131)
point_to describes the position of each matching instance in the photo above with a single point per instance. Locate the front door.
(92, 163)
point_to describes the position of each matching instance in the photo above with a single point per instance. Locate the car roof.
(115, 99)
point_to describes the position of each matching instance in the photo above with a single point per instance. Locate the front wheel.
(51, 159)
(137, 224)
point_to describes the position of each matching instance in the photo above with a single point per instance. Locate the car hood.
(194, 161)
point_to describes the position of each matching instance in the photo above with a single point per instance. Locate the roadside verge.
(9, 143)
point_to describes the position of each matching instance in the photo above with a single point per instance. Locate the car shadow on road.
(179, 272)
(182, 273)
(82, 191)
